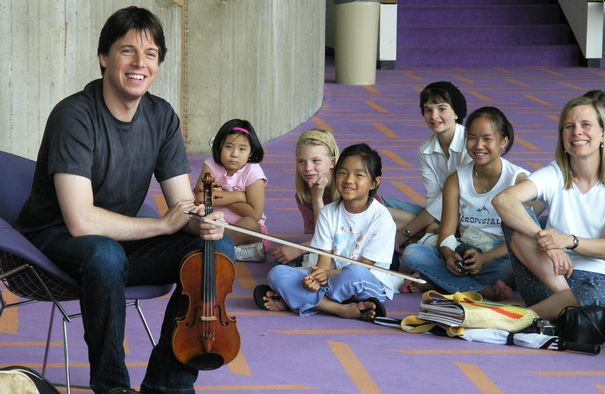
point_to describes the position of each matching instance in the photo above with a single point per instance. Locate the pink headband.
(242, 130)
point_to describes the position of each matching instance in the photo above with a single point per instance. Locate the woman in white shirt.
(563, 264)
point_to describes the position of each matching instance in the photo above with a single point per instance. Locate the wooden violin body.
(206, 337)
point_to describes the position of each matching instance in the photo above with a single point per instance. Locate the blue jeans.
(429, 262)
(104, 267)
(405, 206)
(588, 287)
(352, 283)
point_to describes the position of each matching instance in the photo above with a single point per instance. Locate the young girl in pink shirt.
(240, 185)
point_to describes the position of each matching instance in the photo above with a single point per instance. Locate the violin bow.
(310, 249)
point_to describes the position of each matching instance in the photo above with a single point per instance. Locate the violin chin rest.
(206, 361)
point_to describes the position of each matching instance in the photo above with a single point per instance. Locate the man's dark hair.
(125, 19)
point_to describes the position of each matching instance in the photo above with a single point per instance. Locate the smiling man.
(101, 146)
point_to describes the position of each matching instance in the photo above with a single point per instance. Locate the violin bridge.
(208, 318)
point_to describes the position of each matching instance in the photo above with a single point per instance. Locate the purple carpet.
(446, 33)
(284, 353)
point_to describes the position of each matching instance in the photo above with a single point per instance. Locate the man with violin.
(101, 146)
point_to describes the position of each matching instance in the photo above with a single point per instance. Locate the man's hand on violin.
(208, 231)
(174, 218)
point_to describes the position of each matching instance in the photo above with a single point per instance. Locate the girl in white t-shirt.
(240, 180)
(563, 264)
(357, 227)
(478, 260)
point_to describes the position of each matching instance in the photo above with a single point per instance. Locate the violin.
(206, 337)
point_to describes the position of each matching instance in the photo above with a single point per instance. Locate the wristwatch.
(575, 243)
(407, 232)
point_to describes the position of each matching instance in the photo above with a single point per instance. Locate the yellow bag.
(456, 311)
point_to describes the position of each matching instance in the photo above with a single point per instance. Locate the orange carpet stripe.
(428, 352)
(518, 83)
(599, 73)
(396, 158)
(553, 117)
(408, 191)
(574, 86)
(570, 373)
(371, 89)
(377, 107)
(481, 96)
(535, 165)
(343, 331)
(239, 365)
(483, 383)
(385, 130)
(74, 364)
(411, 75)
(503, 70)
(354, 368)
(258, 388)
(243, 275)
(464, 79)
(321, 124)
(538, 100)
(29, 344)
(525, 143)
(549, 71)
(261, 313)
(9, 324)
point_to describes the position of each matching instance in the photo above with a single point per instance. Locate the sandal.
(379, 310)
(260, 292)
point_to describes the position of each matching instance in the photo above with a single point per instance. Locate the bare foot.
(498, 292)
(267, 299)
(365, 310)
(368, 309)
(416, 287)
(274, 302)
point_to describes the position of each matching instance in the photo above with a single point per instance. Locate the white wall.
(586, 21)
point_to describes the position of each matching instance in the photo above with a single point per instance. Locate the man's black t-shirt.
(83, 138)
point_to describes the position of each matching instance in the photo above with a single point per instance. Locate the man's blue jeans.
(104, 267)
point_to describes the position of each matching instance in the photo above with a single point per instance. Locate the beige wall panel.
(49, 52)
(260, 60)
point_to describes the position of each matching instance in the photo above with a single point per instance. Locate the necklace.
(477, 179)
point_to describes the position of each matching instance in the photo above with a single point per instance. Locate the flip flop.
(260, 291)
(380, 310)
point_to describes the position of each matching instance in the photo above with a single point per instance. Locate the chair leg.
(48, 337)
(142, 316)
(66, 353)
